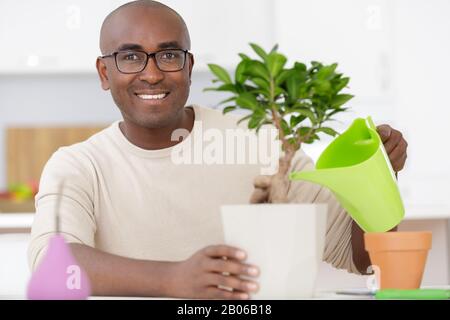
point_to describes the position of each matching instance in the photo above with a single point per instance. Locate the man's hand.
(395, 146)
(262, 184)
(200, 276)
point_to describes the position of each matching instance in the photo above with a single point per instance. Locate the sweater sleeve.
(338, 246)
(76, 214)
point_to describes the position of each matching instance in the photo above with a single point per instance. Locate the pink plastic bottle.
(58, 276)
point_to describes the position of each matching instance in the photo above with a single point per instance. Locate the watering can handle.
(371, 124)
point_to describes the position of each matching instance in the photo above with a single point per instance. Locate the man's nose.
(151, 73)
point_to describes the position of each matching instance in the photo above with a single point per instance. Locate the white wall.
(422, 107)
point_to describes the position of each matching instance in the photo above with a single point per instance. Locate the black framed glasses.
(135, 61)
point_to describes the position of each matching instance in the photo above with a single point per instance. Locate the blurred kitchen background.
(397, 53)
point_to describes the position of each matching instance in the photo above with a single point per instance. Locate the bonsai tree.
(299, 101)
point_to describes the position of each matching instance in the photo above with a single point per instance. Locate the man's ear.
(191, 65)
(101, 70)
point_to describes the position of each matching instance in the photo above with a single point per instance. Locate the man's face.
(147, 30)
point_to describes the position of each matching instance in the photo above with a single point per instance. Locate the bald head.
(146, 26)
(139, 18)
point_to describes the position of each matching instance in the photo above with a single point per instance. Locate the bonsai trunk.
(279, 182)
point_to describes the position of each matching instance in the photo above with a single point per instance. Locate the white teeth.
(152, 97)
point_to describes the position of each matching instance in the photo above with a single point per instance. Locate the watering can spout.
(321, 177)
(332, 180)
(356, 168)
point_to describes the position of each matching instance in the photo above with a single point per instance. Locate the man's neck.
(157, 138)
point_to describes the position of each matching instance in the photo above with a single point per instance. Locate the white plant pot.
(284, 240)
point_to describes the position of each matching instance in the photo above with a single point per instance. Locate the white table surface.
(320, 295)
(413, 212)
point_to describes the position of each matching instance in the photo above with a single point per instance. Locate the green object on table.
(21, 191)
(419, 294)
(356, 168)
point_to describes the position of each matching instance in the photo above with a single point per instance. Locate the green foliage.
(298, 100)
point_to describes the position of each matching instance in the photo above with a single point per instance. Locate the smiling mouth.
(153, 96)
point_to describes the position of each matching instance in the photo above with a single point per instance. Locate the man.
(138, 223)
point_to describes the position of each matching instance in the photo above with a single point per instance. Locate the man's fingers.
(393, 141)
(219, 251)
(261, 193)
(259, 196)
(232, 283)
(384, 131)
(232, 267)
(262, 182)
(398, 156)
(395, 146)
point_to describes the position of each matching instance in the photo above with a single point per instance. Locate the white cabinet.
(219, 30)
(14, 271)
(51, 36)
(355, 33)
(62, 36)
(47, 36)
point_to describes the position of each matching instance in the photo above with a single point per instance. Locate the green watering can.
(356, 168)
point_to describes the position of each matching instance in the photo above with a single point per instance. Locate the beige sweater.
(139, 204)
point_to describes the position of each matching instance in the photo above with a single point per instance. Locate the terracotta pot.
(400, 257)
